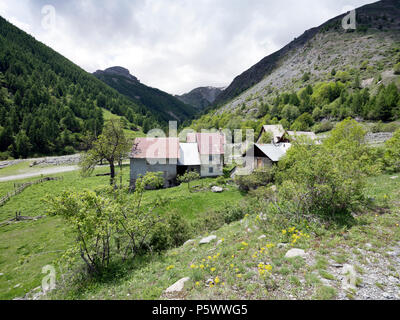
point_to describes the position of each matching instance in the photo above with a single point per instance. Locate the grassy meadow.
(26, 247)
(248, 261)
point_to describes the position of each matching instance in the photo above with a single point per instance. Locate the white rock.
(219, 242)
(282, 245)
(210, 282)
(177, 286)
(292, 253)
(394, 177)
(17, 285)
(207, 239)
(1, 274)
(262, 237)
(216, 189)
(349, 279)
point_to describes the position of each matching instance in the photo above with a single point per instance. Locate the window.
(210, 170)
(210, 158)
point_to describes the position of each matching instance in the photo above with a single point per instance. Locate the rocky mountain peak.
(119, 71)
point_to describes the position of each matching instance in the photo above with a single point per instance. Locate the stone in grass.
(349, 279)
(216, 189)
(207, 239)
(262, 237)
(293, 253)
(394, 177)
(177, 286)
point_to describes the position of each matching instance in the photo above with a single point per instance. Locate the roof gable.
(189, 154)
(210, 143)
(155, 148)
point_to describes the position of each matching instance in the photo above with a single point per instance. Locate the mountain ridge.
(201, 97)
(268, 64)
(165, 105)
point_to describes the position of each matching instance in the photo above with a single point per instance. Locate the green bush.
(323, 127)
(232, 213)
(392, 153)
(171, 232)
(326, 179)
(155, 181)
(259, 178)
(397, 68)
(220, 181)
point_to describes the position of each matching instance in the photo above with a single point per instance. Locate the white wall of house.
(211, 165)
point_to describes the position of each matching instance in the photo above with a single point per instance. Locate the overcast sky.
(174, 45)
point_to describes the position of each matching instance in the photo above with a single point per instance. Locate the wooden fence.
(19, 187)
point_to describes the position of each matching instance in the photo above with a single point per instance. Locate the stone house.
(203, 153)
(154, 155)
(211, 148)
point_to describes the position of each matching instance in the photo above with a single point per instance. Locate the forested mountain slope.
(47, 103)
(159, 102)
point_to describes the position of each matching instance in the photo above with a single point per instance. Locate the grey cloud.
(174, 45)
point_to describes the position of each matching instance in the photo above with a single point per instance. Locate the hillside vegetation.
(334, 203)
(47, 103)
(327, 73)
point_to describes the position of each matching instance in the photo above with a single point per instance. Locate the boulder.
(292, 253)
(207, 239)
(177, 286)
(216, 189)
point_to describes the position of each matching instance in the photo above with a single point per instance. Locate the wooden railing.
(19, 187)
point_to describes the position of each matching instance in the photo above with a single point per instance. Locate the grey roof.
(189, 154)
(274, 151)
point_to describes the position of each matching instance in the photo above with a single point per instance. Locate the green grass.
(235, 261)
(130, 134)
(28, 246)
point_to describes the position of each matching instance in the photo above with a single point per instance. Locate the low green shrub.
(172, 231)
(259, 178)
(392, 153)
(323, 127)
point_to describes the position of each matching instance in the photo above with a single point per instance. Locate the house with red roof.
(155, 155)
(211, 148)
(203, 153)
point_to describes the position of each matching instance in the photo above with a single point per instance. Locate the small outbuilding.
(263, 155)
